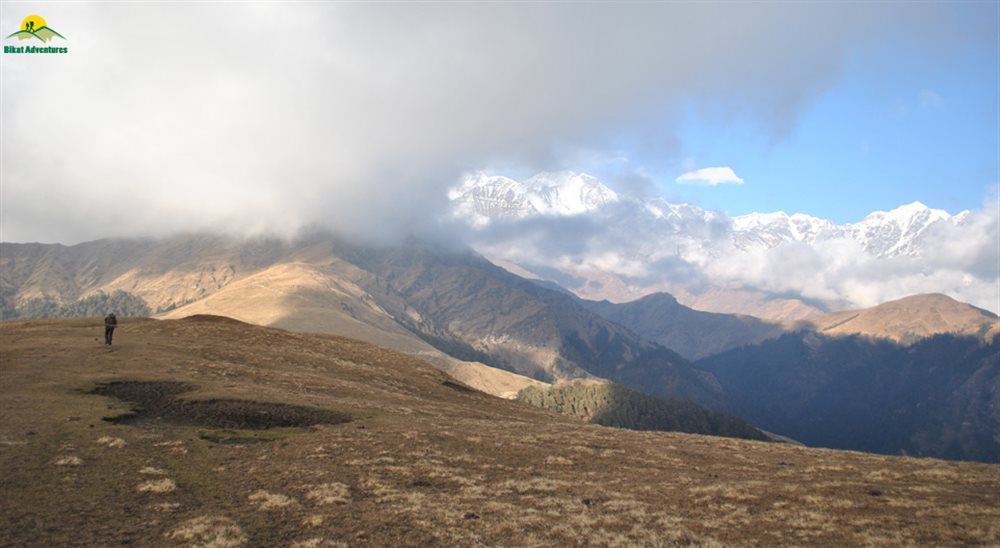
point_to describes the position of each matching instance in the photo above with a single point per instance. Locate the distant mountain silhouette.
(934, 398)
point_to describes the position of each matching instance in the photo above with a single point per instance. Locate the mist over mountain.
(574, 230)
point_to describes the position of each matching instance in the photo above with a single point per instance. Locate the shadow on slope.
(615, 405)
(934, 398)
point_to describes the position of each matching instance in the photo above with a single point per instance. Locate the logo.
(35, 27)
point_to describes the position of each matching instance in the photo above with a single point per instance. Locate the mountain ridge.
(696, 334)
(881, 233)
(433, 302)
(451, 307)
(624, 247)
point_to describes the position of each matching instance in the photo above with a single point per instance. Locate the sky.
(900, 125)
(264, 117)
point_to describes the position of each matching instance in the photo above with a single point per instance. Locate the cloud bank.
(264, 117)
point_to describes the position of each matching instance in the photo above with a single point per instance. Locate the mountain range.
(697, 334)
(575, 231)
(451, 307)
(481, 199)
(487, 327)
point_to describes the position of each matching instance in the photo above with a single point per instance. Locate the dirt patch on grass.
(157, 403)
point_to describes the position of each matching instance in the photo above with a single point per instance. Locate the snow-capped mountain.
(769, 264)
(482, 198)
(898, 232)
(881, 234)
(772, 229)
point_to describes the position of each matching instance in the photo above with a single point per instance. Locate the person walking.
(110, 322)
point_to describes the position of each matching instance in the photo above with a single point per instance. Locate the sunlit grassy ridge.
(423, 461)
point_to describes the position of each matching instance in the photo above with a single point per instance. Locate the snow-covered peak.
(896, 232)
(754, 220)
(481, 197)
(772, 229)
(567, 193)
(905, 215)
(662, 209)
(479, 179)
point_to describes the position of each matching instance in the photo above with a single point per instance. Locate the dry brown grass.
(421, 464)
(165, 485)
(209, 532)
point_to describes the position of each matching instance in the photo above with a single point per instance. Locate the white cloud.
(358, 116)
(710, 176)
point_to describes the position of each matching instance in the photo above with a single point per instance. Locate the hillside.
(312, 298)
(937, 397)
(420, 460)
(696, 334)
(691, 333)
(467, 306)
(909, 319)
(449, 306)
(500, 333)
(611, 404)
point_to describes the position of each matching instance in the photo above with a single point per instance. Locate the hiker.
(110, 322)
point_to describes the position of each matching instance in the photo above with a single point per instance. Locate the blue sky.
(900, 125)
